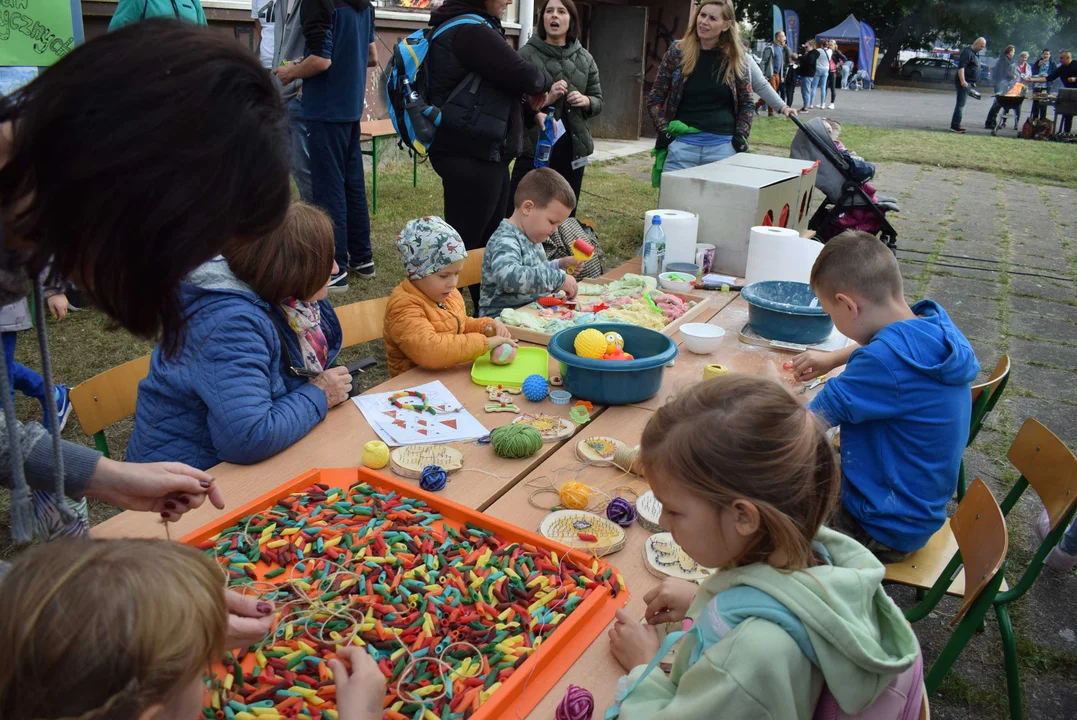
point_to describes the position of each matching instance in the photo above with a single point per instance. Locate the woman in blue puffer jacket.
(254, 374)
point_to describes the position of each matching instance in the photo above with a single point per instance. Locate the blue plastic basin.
(614, 382)
(783, 310)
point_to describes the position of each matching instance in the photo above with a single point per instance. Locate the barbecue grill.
(1009, 100)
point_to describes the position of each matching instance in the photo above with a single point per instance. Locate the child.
(426, 323)
(746, 479)
(515, 270)
(862, 170)
(125, 630)
(903, 402)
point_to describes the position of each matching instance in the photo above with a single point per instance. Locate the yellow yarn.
(713, 371)
(590, 343)
(375, 454)
(574, 495)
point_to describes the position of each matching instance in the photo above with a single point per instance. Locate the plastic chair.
(108, 398)
(472, 272)
(984, 398)
(982, 543)
(362, 321)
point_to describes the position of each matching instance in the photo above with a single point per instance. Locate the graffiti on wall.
(666, 30)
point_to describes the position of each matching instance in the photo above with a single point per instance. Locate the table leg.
(374, 172)
(414, 170)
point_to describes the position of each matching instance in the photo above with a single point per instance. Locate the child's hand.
(669, 601)
(501, 330)
(569, 263)
(632, 644)
(569, 286)
(58, 306)
(813, 363)
(498, 341)
(361, 694)
(249, 619)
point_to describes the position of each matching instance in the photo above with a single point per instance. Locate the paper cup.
(704, 257)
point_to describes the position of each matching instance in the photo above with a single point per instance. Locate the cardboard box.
(808, 171)
(730, 200)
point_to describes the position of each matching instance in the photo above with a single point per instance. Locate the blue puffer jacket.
(227, 396)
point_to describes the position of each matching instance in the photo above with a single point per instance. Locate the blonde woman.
(703, 83)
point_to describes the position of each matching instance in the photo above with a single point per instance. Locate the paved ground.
(1018, 298)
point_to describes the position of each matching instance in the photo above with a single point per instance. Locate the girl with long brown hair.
(747, 479)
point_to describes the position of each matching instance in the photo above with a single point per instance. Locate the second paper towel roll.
(681, 228)
(776, 253)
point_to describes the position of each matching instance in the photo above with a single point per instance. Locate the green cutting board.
(529, 361)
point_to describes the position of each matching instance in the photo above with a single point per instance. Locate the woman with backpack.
(576, 95)
(481, 129)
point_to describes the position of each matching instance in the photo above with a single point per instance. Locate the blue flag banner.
(792, 30)
(866, 59)
(778, 24)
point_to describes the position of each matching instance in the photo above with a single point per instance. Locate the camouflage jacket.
(515, 271)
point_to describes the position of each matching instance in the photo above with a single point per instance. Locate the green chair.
(984, 398)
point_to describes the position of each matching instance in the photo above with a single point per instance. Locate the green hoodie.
(575, 65)
(859, 635)
(131, 11)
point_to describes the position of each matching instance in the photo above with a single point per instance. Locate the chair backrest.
(472, 272)
(986, 395)
(980, 531)
(362, 321)
(1049, 467)
(1067, 101)
(110, 396)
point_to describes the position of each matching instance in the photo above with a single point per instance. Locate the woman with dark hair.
(702, 84)
(254, 375)
(576, 95)
(128, 181)
(481, 128)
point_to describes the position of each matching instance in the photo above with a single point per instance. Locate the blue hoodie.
(227, 395)
(904, 404)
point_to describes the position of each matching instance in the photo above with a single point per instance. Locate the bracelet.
(396, 400)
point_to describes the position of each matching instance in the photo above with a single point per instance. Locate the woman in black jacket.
(833, 80)
(481, 129)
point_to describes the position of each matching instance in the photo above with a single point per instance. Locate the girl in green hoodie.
(747, 478)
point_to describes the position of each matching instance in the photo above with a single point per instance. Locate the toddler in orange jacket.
(426, 324)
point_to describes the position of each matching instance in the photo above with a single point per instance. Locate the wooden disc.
(408, 461)
(587, 450)
(565, 527)
(663, 557)
(649, 512)
(551, 427)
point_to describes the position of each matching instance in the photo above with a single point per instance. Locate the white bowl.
(702, 338)
(669, 283)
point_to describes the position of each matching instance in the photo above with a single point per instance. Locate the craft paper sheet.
(396, 426)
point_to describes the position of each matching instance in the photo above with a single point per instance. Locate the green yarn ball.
(515, 441)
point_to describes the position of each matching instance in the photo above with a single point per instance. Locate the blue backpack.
(415, 120)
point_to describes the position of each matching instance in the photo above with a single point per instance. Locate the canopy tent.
(848, 33)
(852, 32)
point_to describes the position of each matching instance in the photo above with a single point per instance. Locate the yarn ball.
(574, 495)
(535, 388)
(515, 441)
(433, 478)
(503, 354)
(577, 704)
(375, 454)
(590, 343)
(621, 512)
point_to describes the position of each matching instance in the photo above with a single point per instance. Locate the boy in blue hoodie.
(903, 401)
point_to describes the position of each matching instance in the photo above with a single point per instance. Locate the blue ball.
(535, 388)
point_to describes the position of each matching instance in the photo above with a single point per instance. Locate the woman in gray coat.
(576, 95)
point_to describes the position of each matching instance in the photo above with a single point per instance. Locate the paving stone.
(1060, 418)
(1050, 289)
(1047, 352)
(1045, 307)
(967, 286)
(1045, 326)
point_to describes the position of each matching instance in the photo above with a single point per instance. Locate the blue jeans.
(681, 155)
(336, 174)
(959, 108)
(20, 377)
(807, 90)
(1068, 543)
(300, 149)
(819, 87)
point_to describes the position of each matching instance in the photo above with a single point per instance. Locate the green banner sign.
(35, 32)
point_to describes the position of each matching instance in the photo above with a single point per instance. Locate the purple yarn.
(577, 704)
(621, 512)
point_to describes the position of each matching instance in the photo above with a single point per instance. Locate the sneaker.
(339, 283)
(831, 106)
(75, 300)
(804, 109)
(1057, 560)
(63, 404)
(365, 270)
(958, 129)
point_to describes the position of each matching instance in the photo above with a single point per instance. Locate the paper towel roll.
(681, 228)
(776, 253)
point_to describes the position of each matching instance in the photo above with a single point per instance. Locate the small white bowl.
(668, 283)
(701, 338)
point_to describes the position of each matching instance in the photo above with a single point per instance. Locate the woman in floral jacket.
(704, 116)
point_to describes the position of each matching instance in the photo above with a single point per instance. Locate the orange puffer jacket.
(419, 332)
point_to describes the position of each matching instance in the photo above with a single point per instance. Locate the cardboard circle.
(588, 454)
(663, 557)
(565, 526)
(408, 461)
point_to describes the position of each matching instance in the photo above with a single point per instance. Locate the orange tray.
(537, 676)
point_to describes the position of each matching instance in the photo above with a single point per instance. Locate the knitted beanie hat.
(428, 245)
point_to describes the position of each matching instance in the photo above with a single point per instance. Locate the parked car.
(928, 70)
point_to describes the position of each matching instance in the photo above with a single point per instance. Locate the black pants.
(476, 193)
(832, 83)
(1065, 124)
(560, 160)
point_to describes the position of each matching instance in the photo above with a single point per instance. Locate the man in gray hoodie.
(289, 48)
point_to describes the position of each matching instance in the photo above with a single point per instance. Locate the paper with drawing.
(449, 422)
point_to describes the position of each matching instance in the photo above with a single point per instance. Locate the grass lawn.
(1047, 162)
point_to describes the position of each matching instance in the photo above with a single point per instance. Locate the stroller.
(847, 205)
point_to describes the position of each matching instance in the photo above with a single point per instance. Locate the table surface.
(502, 489)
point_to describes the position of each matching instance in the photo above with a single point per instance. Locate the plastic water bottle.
(545, 141)
(654, 248)
(418, 112)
